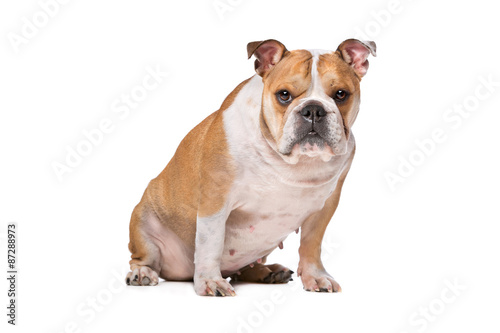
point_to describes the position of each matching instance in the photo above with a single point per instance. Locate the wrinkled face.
(310, 101)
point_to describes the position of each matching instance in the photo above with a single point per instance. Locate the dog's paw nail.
(148, 277)
(213, 287)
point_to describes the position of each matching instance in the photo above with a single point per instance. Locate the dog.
(272, 160)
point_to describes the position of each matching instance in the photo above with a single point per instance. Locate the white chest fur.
(269, 198)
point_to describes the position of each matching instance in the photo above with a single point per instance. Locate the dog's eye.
(340, 95)
(284, 96)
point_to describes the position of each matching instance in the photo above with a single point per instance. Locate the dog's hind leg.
(145, 263)
(261, 273)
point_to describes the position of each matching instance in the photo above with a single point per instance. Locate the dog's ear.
(268, 54)
(356, 53)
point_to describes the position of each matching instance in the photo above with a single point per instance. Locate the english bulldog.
(272, 160)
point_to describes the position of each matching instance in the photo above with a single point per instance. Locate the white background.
(392, 250)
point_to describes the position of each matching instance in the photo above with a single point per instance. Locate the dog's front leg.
(311, 270)
(210, 233)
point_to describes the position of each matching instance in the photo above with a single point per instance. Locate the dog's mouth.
(313, 140)
(312, 137)
(313, 144)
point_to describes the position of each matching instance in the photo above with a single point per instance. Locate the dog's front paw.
(213, 287)
(142, 276)
(319, 281)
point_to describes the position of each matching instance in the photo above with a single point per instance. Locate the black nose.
(313, 113)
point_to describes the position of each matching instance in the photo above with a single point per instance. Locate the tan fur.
(195, 182)
(233, 199)
(313, 228)
(294, 77)
(331, 67)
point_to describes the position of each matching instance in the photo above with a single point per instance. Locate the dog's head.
(311, 98)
